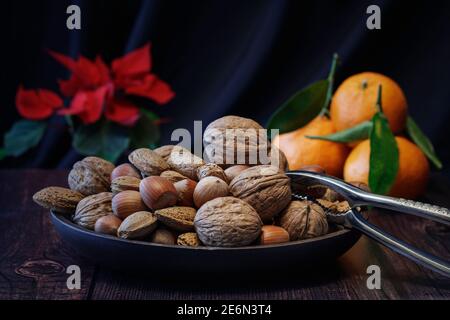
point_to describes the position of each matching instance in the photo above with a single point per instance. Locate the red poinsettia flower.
(88, 104)
(37, 104)
(86, 74)
(131, 73)
(96, 89)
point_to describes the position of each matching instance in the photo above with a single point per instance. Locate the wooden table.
(33, 259)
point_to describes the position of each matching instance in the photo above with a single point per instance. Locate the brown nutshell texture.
(211, 170)
(124, 169)
(265, 188)
(184, 162)
(177, 218)
(172, 176)
(304, 220)
(227, 222)
(107, 225)
(91, 175)
(91, 208)
(163, 236)
(189, 239)
(148, 162)
(278, 159)
(185, 189)
(125, 183)
(209, 188)
(59, 199)
(234, 171)
(138, 225)
(126, 203)
(232, 140)
(164, 151)
(158, 192)
(273, 235)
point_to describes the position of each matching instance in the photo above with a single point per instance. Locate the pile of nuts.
(170, 196)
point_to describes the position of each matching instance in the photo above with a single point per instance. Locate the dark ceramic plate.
(118, 253)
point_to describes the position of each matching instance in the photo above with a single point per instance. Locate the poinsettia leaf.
(2, 153)
(301, 108)
(150, 114)
(331, 81)
(358, 132)
(23, 135)
(145, 134)
(422, 141)
(104, 139)
(384, 154)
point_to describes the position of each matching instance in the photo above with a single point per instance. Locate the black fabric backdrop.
(230, 57)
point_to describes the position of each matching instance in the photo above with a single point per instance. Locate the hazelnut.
(127, 202)
(163, 236)
(158, 193)
(107, 225)
(123, 170)
(273, 235)
(234, 171)
(209, 188)
(185, 189)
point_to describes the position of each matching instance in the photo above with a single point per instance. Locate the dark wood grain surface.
(33, 260)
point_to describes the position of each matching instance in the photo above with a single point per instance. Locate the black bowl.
(119, 253)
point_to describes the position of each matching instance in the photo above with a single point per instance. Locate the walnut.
(278, 158)
(265, 188)
(303, 220)
(234, 140)
(91, 208)
(227, 222)
(91, 175)
(334, 206)
(148, 162)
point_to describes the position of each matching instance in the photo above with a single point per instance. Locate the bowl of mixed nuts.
(170, 209)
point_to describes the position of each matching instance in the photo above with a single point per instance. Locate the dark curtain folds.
(231, 57)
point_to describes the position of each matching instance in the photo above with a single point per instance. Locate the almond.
(59, 199)
(177, 218)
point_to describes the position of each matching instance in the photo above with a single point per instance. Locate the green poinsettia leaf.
(146, 133)
(358, 132)
(301, 108)
(2, 153)
(384, 155)
(23, 135)
(103, 139)
(422, 141)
